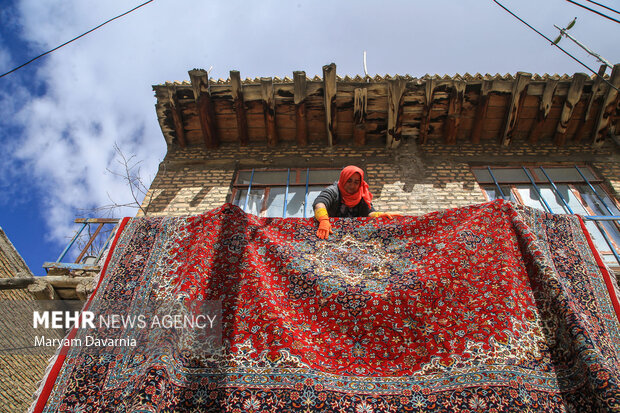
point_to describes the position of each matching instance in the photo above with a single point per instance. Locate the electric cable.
(594, 11)
(559, 47)
(75, 38)
(603, 6)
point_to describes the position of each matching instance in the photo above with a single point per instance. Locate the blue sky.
(61, 116)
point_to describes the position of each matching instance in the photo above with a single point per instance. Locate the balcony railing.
(83, 261)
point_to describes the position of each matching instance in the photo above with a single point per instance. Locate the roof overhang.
(432, 109)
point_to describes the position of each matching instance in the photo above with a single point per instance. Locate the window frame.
(537, 181)
(302, 178)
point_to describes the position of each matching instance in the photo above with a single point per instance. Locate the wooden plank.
(546, 101)
(177, 116)
(239, 106)
(360, 113)
(573, 96)
(269, 110)
(329, 93)
(96, 220)
(204, 106)
(89, 243)
(597, 85)
(15, 283)
(455, 107)
(299, 98)
(429, 89)
(42, 290)
(519, 91)
(396, 91)
(607, 108)
(481, 110)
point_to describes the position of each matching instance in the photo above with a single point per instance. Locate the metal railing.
(80, 262)
(597, 219)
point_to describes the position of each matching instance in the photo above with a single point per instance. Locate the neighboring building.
(426, 144)
(19, 373)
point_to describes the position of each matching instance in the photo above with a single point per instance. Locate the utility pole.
(564, 32)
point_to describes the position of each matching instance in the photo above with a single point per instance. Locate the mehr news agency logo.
(103, 324)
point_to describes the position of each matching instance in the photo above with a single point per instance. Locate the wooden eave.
(432, 109)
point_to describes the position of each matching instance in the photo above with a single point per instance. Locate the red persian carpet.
(492, 307)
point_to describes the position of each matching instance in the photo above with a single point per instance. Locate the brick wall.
(20, 373)
(411, 179)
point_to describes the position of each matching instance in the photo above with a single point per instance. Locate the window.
(281, 193)
(560, 190)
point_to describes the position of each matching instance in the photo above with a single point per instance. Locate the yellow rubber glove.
(325, 227)
(377, 214)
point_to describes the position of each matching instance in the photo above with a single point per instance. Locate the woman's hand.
(325, 228)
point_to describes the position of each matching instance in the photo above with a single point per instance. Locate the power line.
(559, 47)
(603, 6)
(75, 38)
(594, 11)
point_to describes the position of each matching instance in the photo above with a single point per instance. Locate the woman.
(349, 197)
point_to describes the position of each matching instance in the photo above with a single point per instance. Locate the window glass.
(322, 176)
(602, 208)
(264, 177)
(569, 174)
(510, 175)
(269, 189)
(501, 175)
(482, 176)
(493, 193)
(254, 201)
(553, 200)
(313, 192)
(295, 202)
(570, 195)
(530, 197)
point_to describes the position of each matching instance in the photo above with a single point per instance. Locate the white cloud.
(98, 89)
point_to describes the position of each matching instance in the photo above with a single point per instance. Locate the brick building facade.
(425, 144)
(412, 180)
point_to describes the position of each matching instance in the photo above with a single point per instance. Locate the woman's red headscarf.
(352, 200)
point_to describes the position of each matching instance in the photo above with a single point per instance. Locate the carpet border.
(603, 268)
(53, 373)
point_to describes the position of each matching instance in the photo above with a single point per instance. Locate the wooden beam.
(269, 110)
(574, 95)
(16, 283)
(329, 93)
(455, 107)
(519, 91)
(96, 220)
(177, 116)
(89, 243)
(481, 110)
(239, 105)
(360, 112)
(546, 101)
(429, 89)
(204, 106)
(43, 290)
(607, 108)
(299, 98)
(596, 88)
(396, 93)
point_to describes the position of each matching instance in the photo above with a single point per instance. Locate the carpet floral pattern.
(492, 307)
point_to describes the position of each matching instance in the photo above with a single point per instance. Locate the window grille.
(560, 190)
(281, 192)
